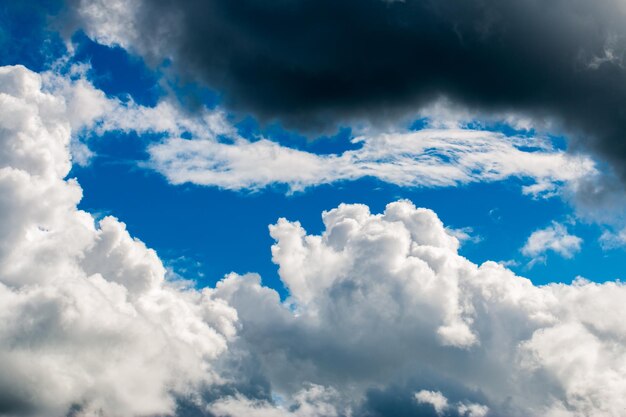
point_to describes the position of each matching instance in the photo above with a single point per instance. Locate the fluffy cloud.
(87, 321)
(441, 406)
(434, 398)
(382, 306)
(311, 401)
(553, 238)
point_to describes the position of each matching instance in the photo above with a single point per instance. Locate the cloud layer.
(317, 63)
(384, 317)
(425, 158)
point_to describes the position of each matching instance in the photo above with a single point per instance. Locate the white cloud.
(434, 398)
(382, 306)
(441, 405)
(425, 158)
(87, 320)
(110, 22)
(89, 109)
(465, 234)
(312, 401)
(473, 410)
(218, 156)
(553, 238)
(613, 239)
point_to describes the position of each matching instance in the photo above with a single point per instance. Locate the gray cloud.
(316, 63)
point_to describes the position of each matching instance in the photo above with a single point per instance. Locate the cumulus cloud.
(88, 322)
(553, 238)
(382, 306)
(378, 60)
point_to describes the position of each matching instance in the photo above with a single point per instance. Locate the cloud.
(90, 111)
(88, 323)
(445, 153)
(425, 158)
(382, 306)
(613, 239)
(553, 238)
(434, 398)
(378, 60)
(441, 406)
(312, 401)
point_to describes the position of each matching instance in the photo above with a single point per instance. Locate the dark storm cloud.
(316, 63)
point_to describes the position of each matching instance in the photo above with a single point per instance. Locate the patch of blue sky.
(121, 74)
(127, 147)
(25, 37)
(190, 94)
(419, 124)
(325, 144)
(118, 73)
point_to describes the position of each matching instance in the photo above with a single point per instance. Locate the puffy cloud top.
(384, 317)
(382, 307)
(87, 320)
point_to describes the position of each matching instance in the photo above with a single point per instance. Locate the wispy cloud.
(424, 158)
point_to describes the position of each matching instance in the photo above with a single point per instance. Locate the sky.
(312, 208)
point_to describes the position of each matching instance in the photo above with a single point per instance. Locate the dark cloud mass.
(314, 63)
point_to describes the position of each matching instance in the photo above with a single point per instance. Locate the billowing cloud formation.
(382, 307)
(384, 317)
(315, 63)
(87, 321)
